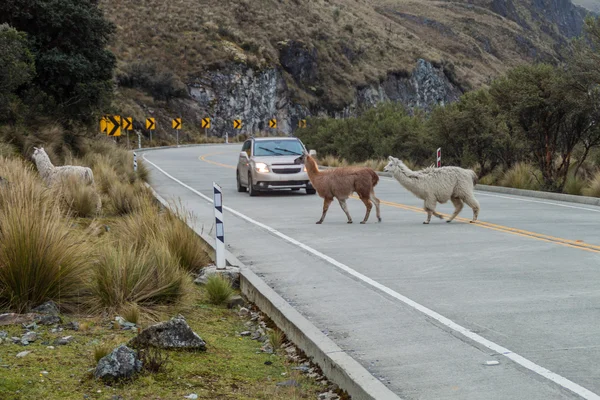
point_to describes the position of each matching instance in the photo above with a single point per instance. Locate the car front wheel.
(251, 190)
(311, 191)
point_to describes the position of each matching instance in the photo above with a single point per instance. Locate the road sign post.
(219, 231)
(205, 124)
(134, 162)
(439, 158)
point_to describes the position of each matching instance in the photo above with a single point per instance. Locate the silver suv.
(270, 163)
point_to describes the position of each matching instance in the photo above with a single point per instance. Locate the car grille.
(287, 170)
(285, 183)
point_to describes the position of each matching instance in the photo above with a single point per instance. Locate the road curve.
(422, 307)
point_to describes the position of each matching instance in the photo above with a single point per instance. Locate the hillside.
(593, 5)
(290, 59)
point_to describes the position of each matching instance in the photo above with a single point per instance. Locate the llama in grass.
(340, 183)
(437, 185)
(52, 174)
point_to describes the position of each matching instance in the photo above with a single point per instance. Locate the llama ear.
(391, 158)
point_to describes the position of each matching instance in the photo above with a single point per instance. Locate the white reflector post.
(439, 158)
(220, 229)
(134, 161)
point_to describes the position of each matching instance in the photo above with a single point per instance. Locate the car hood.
(274, 160)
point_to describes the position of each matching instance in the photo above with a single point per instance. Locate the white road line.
(558, 379)
(537, 201)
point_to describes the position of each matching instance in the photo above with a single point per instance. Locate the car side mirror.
(312, 153)
(243, 154)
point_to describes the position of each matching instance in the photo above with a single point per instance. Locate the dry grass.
(150, 278)
(574, 185)
(101, 351)
(276, 338)
(593, 186)
(76, 199)
(40, 258)
(521, 176)
(131, 313)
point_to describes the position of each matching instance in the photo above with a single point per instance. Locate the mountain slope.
(326, 51)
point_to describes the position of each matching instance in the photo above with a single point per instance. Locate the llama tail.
(475, 178)
(89, 176)
(374, 177)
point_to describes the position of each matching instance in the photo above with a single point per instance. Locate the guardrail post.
(219, 231)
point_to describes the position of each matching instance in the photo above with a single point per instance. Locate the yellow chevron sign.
(273, 123)
(302, 123)
(237, 124)
(112, 125)
(205, 123)
(176, 123)
(150, 124)
(127, 123)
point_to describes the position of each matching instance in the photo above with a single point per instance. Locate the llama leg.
(430, 208)
(369, 206)
(375, 201)
(345, 208)
(474, 204)
(440, 216)
(326, 203)
(458, 206)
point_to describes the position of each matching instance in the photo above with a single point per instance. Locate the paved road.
(423, 307)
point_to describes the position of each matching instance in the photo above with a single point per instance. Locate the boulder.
(173, 334)
(48, 308)
(230, 272)
(15, 319)
(121, 363)
(48, 319)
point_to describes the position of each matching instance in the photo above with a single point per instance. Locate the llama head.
(38, 151)
(392, 164)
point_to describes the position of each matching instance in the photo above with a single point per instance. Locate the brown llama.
(341, 183)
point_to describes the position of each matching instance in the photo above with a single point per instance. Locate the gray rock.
(63, 341)
(121, 363)
(235, 301)
(173, 334)
(73, 325)
(15, 319)
(30, 336)
(303, 368)
(3, 334)
(244, 312)
(246, 333)
(231, 273)
(23, 354)
(48, 308)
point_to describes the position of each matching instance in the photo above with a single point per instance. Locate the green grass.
(218, 289)
(521, 176)
(231, 368)
(593, 186)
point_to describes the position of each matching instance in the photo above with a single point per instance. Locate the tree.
(16, 66)
(538, 101)
(472, 131)
(68, 39)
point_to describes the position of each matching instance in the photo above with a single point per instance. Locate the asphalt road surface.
(423, 307)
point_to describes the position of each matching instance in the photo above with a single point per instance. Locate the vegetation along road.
(423, 307)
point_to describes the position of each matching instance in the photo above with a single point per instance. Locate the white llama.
(51, 174)
(437, 185)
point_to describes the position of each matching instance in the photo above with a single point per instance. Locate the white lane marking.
(558, 379)
(520, 198)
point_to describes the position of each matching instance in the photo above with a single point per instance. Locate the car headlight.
(304, 169)
(261, 167)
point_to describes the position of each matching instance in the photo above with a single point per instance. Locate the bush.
(574, 185)
(124, 198)
(218, 289)
(149, 278)
(40, 259)
(77, 199)
(593, 186)
(521, 176)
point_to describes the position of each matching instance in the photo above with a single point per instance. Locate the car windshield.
(277, 148)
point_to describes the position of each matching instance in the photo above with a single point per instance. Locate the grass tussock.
(332, 161)
(131, 313)
(593, 186)
(78, 200)
(575, 185)
(218, 289)
(150, 278)
(101, 351)
(521, 176)
(40, 257)
(276, 338)
(184, 242)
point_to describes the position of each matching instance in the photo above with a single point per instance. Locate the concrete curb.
(569, 198)
(337, 365)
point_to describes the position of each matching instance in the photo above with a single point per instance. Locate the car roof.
(276, 138)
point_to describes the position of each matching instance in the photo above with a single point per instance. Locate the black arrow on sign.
(236, 124)
(150, 123)
(127, 123)
(115, 126)
(176, 123)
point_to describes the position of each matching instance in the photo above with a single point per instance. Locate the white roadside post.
(134, 161)
(439, 158)
(219, 231)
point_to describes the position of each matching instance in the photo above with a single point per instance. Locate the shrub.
(574, 185)
(184, 243)
(124, 198)
(521, 176)
(218, 289)
(593, 186)
(149, 278)
(40, 259)
(131, 313)
(154, 360)
(276, 338)
(77, 199)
